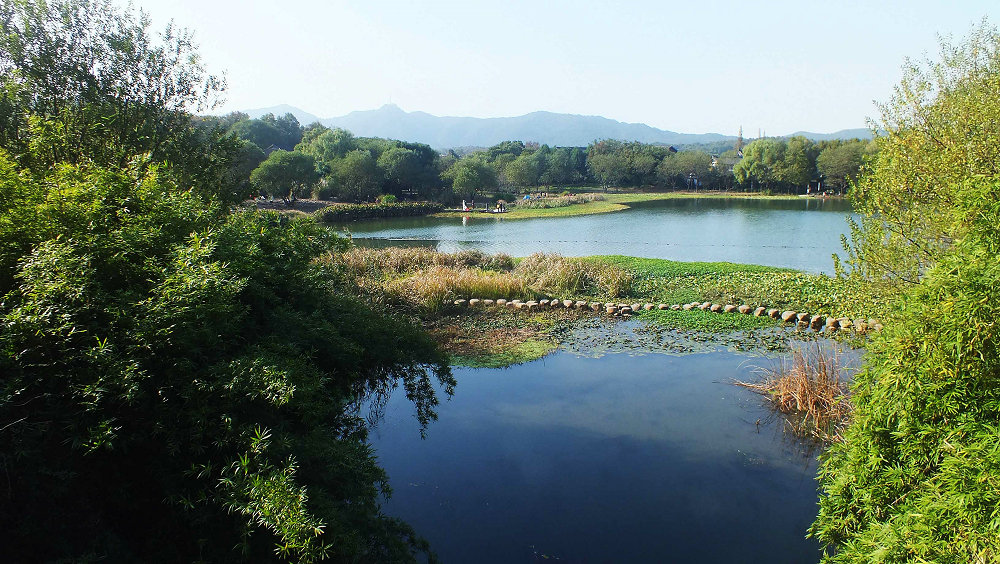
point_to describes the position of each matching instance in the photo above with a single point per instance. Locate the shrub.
(918, 475)
(352, 212)
(813, 386)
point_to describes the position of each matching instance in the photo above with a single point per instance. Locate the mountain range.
(558, 130)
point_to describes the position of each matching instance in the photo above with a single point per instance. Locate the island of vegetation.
(182, 375)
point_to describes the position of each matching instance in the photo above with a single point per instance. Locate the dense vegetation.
(917, 478)
(179, 379)
(335, 164)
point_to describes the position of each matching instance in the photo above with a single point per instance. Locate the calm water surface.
(801, 234)
(621, 458)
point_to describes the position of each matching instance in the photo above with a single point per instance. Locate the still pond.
(801, 234)
(625, 455)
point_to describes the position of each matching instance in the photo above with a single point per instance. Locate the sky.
(692, 67)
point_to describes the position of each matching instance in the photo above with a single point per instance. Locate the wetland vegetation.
(183, 377)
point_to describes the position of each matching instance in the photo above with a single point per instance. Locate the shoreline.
(616, 202)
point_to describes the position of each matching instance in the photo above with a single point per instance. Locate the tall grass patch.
(812, 385)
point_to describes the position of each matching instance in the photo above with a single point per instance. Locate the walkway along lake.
(801, 234)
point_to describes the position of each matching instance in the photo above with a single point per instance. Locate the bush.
(918, 476)
(351, 212)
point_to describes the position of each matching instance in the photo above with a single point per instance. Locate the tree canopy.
(180, 380)
(915, 479)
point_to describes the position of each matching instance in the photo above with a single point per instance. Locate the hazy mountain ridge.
(555, 129)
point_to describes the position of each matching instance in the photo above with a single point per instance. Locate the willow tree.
(938, 130)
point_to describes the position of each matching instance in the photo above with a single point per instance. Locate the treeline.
(289, 161)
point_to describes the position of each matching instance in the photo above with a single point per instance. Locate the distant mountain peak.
(551, 128)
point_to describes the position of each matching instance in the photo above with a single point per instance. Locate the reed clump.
(554, 274)
(813, 387)
(395, 261)
(430, 289)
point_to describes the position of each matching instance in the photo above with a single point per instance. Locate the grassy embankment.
(422, 283)
(610, 203)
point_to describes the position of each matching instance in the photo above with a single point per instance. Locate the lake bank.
(613, 202)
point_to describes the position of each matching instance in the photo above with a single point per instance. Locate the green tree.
(402, 169)
(915, 479)
(938, 132)
(469, 176)
(83, 81)
(283, 132)
(761, 165)
(357, 176)
(798, 166)
(176, 380)
(840, 163)
(523, 171)
(285, 175)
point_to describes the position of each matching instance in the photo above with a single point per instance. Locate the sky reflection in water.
(621, 458)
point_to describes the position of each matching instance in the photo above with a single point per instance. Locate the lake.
(801, 234)
(620, 457)
(613, 454)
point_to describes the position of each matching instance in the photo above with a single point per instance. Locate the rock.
(543, 303)
(788, 316)
(715, 308)
(803, 317)
(610, 309)
(675, 307)
(687, 307)
(648, 307)
(488, 303)
(635, 307)
(501, 302)
(844, 323)
(759, 311)
(774, 313)
(729, 308)
(665, 306)
(580, 304)
(817, 321)
(745, 309)
(474, 302)
(705, 305)
(596, 306)
(512, 305)
(516, 302)
(861, 326)
(520, 305)
(461, 302)
(625, 310)
(567, 303)
(532, 305)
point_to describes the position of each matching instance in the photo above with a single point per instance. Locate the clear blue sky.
(692, 67)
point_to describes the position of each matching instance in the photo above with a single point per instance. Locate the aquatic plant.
(812, 386)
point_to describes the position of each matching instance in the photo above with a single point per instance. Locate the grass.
(610, 203)
(673, 282)
(812, 387)
(699, 320)
(424, 283)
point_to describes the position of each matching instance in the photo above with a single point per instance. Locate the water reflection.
(613, 459)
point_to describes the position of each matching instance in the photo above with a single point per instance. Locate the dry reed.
(558, 275)
(431, 288)
(812, 386)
